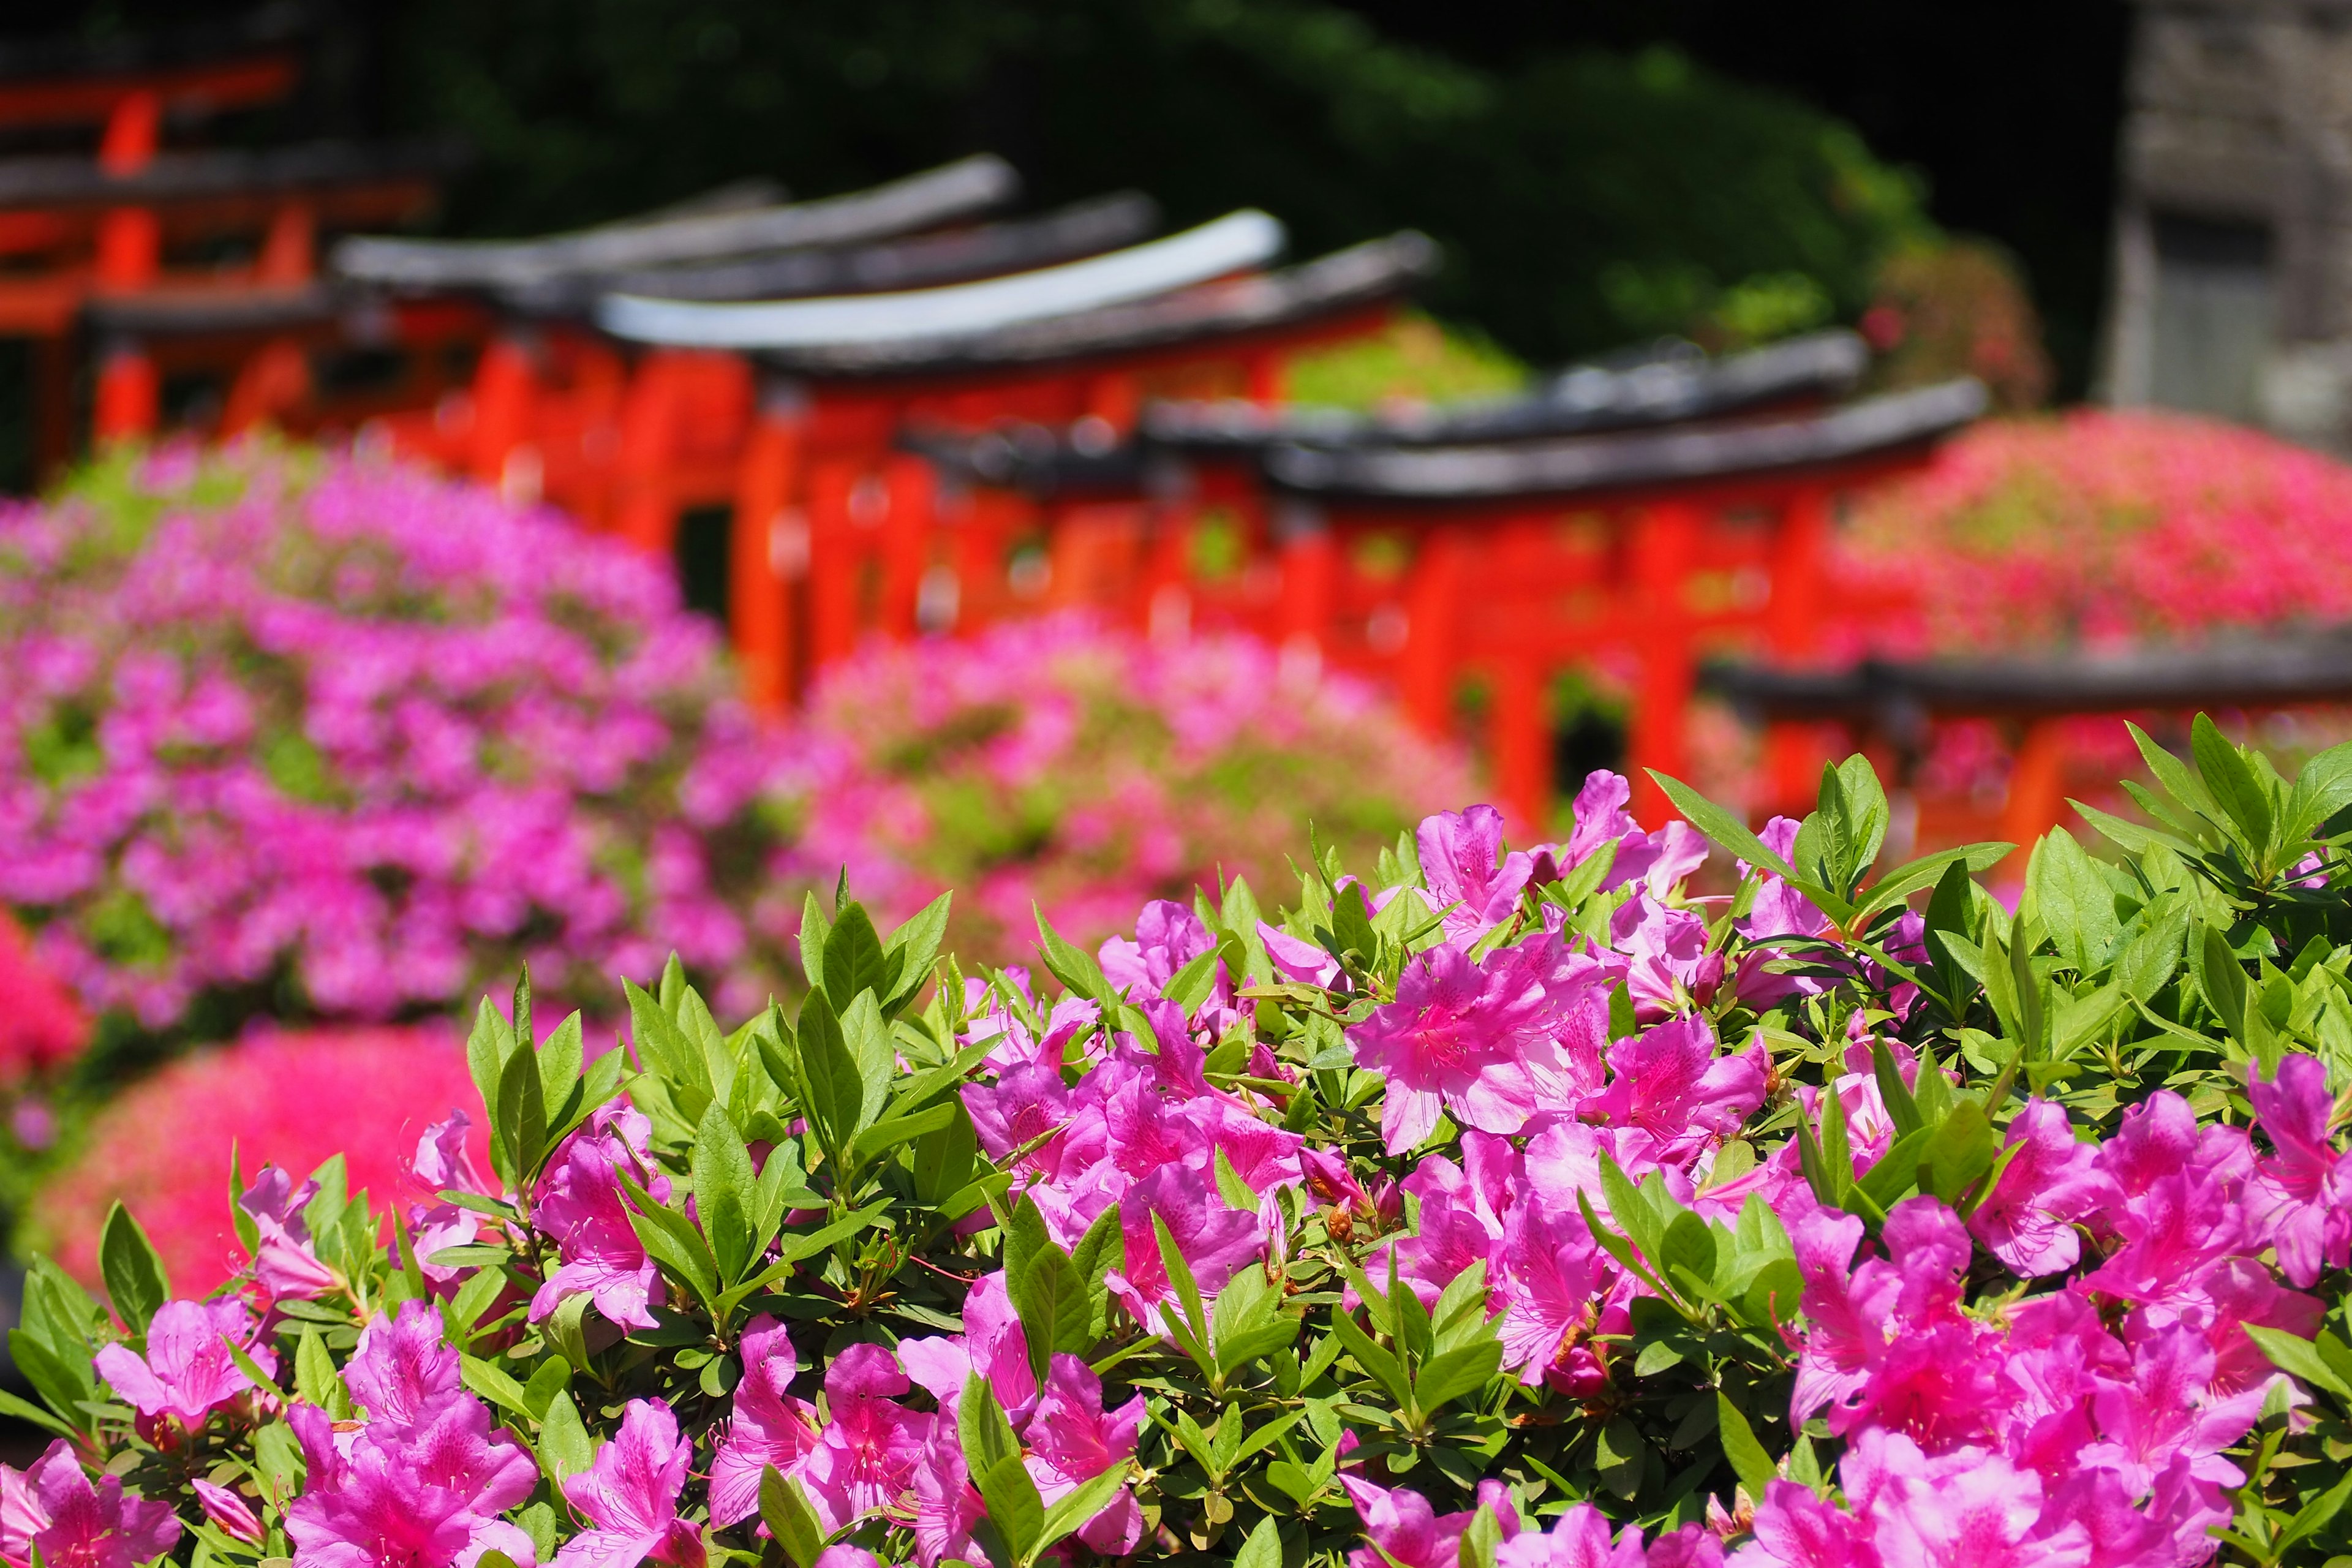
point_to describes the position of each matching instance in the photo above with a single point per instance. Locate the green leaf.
(486, 1054)
(1912, 875)
(564, 1447)
(1452, 1373)
(816, 930)
(487, 1380)
(944, 1158)
(784, 1509)
(1050, 1298)
(1962, 1150)
(2233, 783)
(2322, 788)
(1074, 966)
(914, 947)
(1264, 1547)
(2300, 1358)
(559, 1063)
(895, 1132)
(1749, 1460)
(521, 1127)
(133, 1270)
(553, 1377)
(725, 1193)
(855, 962)
(1079, 1505)
(1901, 1108)
(25, 1410)
(315, 1377)
(2222, 980)
(1015, 1507)
(672, 1240)
(834, 1089)
(68, 1383)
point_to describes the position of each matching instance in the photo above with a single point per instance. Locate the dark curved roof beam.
(1581, 400)
(1872, 427)
(2269, 672)
(953, 191)
(986, 250)
(1357, 278)
(184, 177)
(195, 311)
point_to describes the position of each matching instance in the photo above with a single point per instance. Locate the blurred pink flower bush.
(1090, 770)
(318, 737)
(291, 1099)
(2098, 527)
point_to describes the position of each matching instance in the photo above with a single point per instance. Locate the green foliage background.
(1585, 199)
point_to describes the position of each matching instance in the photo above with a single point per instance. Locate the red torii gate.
(837, 532)
(1423, 563)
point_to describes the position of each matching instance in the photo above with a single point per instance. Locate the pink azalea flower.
(768, 1426)
(1213, 1239)
(1466, 872)
(187, 1372)
(1670, 962)
(1402, 1525)
(1795, 1528)
(630, 1496)
(2027, 1220)
(1658, 860)
(1168, 936)
(582, 1206)
(992, 1345)
(228, 1509)
(1546, 1284)
(947, 1505)
(1578, 1538)
(54, 1508)
(401, 1365)
(284, 1260)
(2304, 1191)
(430, 1491)
(1073, 1439)
(1668, 1084)
(1480, 1040)
(865, 1459)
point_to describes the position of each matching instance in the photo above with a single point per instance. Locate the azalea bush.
(289, 735)
(169, 1143)
(1069, 764)
(1484, 1208)
(2097, 529)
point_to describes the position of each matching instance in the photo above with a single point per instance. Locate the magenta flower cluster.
(343, 738)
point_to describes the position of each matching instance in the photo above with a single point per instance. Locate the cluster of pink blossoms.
(1065, 765)
(371, 735)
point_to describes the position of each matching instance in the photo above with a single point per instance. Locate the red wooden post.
(762, 567)
(126, 403)
(1432, 606)
(1267, 371)
(2037, 792)
(273, 381)
(833, 563)
(1793, 751)
(290, 249)
(1310, 580)
(1518, 741)
(505, 394)
(911, 486)
(645, 508)
(1665, 535)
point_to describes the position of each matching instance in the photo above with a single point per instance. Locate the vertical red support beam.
(1518, 741)
(130, 254)
(289, 249)
(53, 421)
(130, 240)
(763, 559)
(505, 397)
(833, 563)
(1433, 608)
(127, 402)
(1792, 626)
(1310, 580)
(2037, 792)
(275, 379)
(1666, 536)
(645, 503)
(911, 487)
